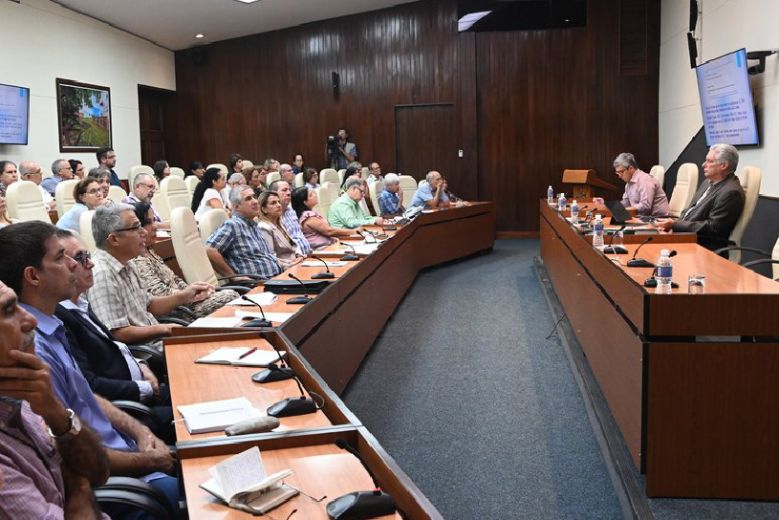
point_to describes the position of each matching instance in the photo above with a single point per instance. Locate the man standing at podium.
(643, 193)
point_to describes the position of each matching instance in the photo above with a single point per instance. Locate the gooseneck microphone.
(256, 322)
(640, 262)
(293, 405)
(319, 276)
(612, 249)
(273, 372)
(349, 257)
(299, 300)
(361, 504)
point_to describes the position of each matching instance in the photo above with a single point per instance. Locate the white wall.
(726, 25)
(42, 41)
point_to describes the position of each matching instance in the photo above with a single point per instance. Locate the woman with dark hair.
(316, 229)
(235, 164)
(161, 170)
(311, 178)
(88, 195)
(197, 169)
(272, 230)
(158, 278)
(77, 167)
(298, 164)
(207, 194)
(255, 179)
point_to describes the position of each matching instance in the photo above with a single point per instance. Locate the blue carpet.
(472, 401)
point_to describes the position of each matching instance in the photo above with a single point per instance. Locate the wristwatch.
(74, 427)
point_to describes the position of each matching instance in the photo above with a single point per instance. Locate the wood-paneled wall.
(527, 104)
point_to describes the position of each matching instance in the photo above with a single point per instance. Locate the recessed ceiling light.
(200, 35)
(247, 1)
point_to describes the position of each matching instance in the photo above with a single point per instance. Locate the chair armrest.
(134, 492)
(171, 319)
(145, 352)
(742, 248)
(134, 408)
(186, 311)
(241, 275)
(761, 261)
(240, 289)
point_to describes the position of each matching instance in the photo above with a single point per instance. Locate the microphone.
(292, 405)
(326, 274)
(640, 262)
(299, 300)
(274, 373)
(256, 322)
(349, 257)
(361, 504)
(612, 249)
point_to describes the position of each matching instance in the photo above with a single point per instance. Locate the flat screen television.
(14, 114)
(726, 100)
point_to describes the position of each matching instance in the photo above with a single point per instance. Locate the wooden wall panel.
(526, 104)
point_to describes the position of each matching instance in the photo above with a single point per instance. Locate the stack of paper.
(262, 299)
(240, 356)
(214, 416)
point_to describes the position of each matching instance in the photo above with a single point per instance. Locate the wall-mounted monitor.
(14, 114)
(726, 100)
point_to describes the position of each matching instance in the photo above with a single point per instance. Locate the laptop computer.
(619, 215)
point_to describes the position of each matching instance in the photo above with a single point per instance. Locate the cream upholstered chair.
(341, 175)
(684, 190)
(375, 189)
(272, 177)
(408, 185)
(247, 164)
(210, 222)
(364, 206)
(24, 202)
(329, 175)
(773, 260)
(175, 171)
(63, 194)
(658, 172)
(221, 167)
(160, 204)
(750, 178)
(176, 193)
(135, 170)
(299, 180)
(192, 181)
(116, 194)
(85, 229)
(327, 193)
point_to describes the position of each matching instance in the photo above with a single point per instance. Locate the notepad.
(262, 299)
(217, 322)
(232, 356)
(314, 263)
(214, 416)
(278, 317)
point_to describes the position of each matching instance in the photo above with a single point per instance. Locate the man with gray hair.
(286, 174)
(118, 296)
(718, 203)
(345, 212)
(643, 193)
(391, 199)
(143, 190)
(432, 194)
(61, 171)
(31, 171)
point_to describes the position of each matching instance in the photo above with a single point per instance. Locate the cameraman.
(339, 151)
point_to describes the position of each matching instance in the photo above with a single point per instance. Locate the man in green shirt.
(345, 212)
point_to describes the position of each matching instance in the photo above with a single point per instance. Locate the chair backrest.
(775, 256)
(247, 164)
(299, 180)
(85, 229)
(375, 189)
(24, 202)
(160, 203)
(329, 175)
(272, 177)
(364, 206)
(750, 178)
(135, 170)
(408, 185)
(189, 249)
(221, 166)
(116, 194)
(192, 181)
(175, 171)
(210, 222)
(686, 184)
(658, 172)
(176, 193)
(63, 194)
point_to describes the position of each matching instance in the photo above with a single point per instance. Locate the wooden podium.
(583, 182)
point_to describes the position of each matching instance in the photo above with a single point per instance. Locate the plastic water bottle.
(597, 232)
(574, 211)
(664, 272)
(550, 196)
(561, 203)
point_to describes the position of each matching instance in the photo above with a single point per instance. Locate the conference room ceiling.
(173, 24)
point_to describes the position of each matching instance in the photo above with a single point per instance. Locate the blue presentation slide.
(14, 105)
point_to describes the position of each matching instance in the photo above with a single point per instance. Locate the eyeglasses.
(94, 191)
(151, 186)
(83, 258)
(620, 172)
(135, 227)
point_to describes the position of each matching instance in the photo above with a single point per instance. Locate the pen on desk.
(248, 353)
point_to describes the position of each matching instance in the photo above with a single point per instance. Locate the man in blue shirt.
(34, 264)
(238, 247)
(431, 195)
(106, 159)
(391, 199)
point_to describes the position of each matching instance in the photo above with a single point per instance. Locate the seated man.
(238, 246)
(432, 194)
(143, 190)
(118, 297)
(374, 173)
(8, 175)
(286, 174)
(643, 193)
(61, 171)
(345, 212)
(31, 171)
(288, 216)
(34, 264)
(391, 199)
(37, 480)
(717, 205)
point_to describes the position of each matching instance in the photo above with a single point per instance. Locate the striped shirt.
(240, 241)
(290, 220)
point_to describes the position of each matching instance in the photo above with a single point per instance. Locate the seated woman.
(196, 168)
(272, 229)
(316, 229)
(77, 167)
(161, 170)
(88, 195)
(311, 178)
(298, 164)
(208, 193)
(255, 177)
(160, 280)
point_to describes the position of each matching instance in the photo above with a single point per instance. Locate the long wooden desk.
(698, 414)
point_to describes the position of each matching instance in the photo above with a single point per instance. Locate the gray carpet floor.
(472, 401)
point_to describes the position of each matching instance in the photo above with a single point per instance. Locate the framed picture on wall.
(83, 116)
